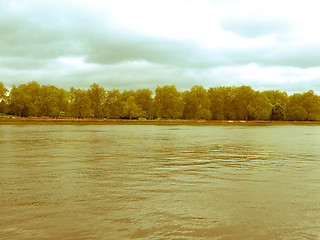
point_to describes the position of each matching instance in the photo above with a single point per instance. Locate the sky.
(132, 44)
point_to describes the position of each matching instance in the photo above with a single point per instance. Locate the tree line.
(215, 103)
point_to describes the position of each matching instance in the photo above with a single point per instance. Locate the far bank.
(93, 121)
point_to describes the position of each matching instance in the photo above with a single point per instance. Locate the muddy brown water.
(159, 182)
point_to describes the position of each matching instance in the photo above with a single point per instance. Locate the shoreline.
(93, 121)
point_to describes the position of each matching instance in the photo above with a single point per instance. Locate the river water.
(159, 182)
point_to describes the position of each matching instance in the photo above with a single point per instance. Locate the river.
(159, 182)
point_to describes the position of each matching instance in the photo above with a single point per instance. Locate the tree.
(126, 94)
(63, 101)
(196, 104)
(25, 99)
(48, 101)
(143, 99)
(3, 98)
(311, 103)
(221, 99)
(275, 96)
(131, 110)
(97, 96)
(168, 102)
(33, 98)
(259, 107)
(3, 107)
(243, 97)
(307, 102)
(16, 101)
(3, 91)
(278, 112)
(80, 103)
(297, 113)
(243, 103)
(113, 105)
(53, 101)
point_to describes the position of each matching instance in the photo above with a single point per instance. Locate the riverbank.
(92, 121)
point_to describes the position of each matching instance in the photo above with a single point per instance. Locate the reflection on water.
(159, 182)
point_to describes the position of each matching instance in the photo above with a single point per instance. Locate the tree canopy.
(216, 103)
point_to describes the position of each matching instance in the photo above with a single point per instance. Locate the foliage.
(3, 98)
(219, 103)
(243, 105)
(307, 104)
(25, 99)
(3, 107)
(131, 110)
(168, 102)
(97, 97)
(80, 103)
(275, 96)
(278, 112)
(297, 113)
(259, 108)
(3, 91)
(196, 104)
(143, 99)
(113, 104)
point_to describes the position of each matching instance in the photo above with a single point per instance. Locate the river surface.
(159, 182)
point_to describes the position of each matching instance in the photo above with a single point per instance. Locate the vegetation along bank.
(215, 103)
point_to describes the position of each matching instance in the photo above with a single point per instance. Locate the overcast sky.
(131, 44)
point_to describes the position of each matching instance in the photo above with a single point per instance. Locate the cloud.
(130, 45)
(253, 28)
(37, 34)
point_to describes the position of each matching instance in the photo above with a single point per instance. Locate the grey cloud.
(252, 28)
(282, 54)
(23, 63)
(49, 32)
(128, 76)
(24, 37)
(167, 52)
(293, 55)
(39, 34)
(33, 39)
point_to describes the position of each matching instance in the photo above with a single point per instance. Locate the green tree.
(196, 104)
(221, 99)
(3, 91)
(126, 94)
(308, 101)
(3, 107)
(34, 99)
(259, 107)
(243, 97)
(53, 101)
(275, 96)
(113, 107)
(80, 103)
(168, 102)
(25, 99)
(311, 103)
(131, 110)
(63, 101)
(49, 101)
(297, 113)
(278, 112)
(3, 98)
(143, 99)
(97, 96)
(16, 101)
